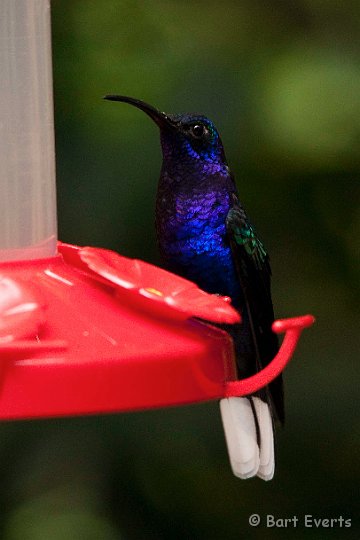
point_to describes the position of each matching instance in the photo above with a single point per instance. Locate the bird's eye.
(198, 130)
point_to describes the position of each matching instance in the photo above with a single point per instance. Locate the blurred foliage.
(281, 80)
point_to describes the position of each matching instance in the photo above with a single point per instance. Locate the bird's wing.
(254, 273)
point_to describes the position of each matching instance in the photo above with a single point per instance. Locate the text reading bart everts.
(293, 522)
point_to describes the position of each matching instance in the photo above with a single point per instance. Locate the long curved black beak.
(160, 118)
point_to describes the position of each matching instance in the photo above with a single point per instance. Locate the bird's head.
(192, 138)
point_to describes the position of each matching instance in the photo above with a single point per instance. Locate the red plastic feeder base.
(89, 331)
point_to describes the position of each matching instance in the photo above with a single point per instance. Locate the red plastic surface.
(90, 331)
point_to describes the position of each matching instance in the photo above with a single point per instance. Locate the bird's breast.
(197, 218)
(191, 231)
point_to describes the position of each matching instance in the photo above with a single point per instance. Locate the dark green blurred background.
(281, 80)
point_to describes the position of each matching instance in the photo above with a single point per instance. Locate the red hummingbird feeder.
(84, 330)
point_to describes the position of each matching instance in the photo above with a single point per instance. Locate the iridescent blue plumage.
(192, 229)
(205, 236)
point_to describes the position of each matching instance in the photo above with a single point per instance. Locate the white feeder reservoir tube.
(27, 152)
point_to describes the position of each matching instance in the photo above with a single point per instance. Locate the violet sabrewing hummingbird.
(205, 236)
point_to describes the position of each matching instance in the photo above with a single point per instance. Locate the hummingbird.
(205, 235)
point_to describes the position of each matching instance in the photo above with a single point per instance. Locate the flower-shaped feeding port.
(22, 311)
(150, 288)
(22, 314)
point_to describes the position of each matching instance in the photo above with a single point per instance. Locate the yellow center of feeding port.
(154, 291)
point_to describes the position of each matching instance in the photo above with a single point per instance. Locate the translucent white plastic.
(27, 151)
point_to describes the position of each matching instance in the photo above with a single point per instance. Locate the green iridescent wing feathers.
(244, 235)
(251, 258)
